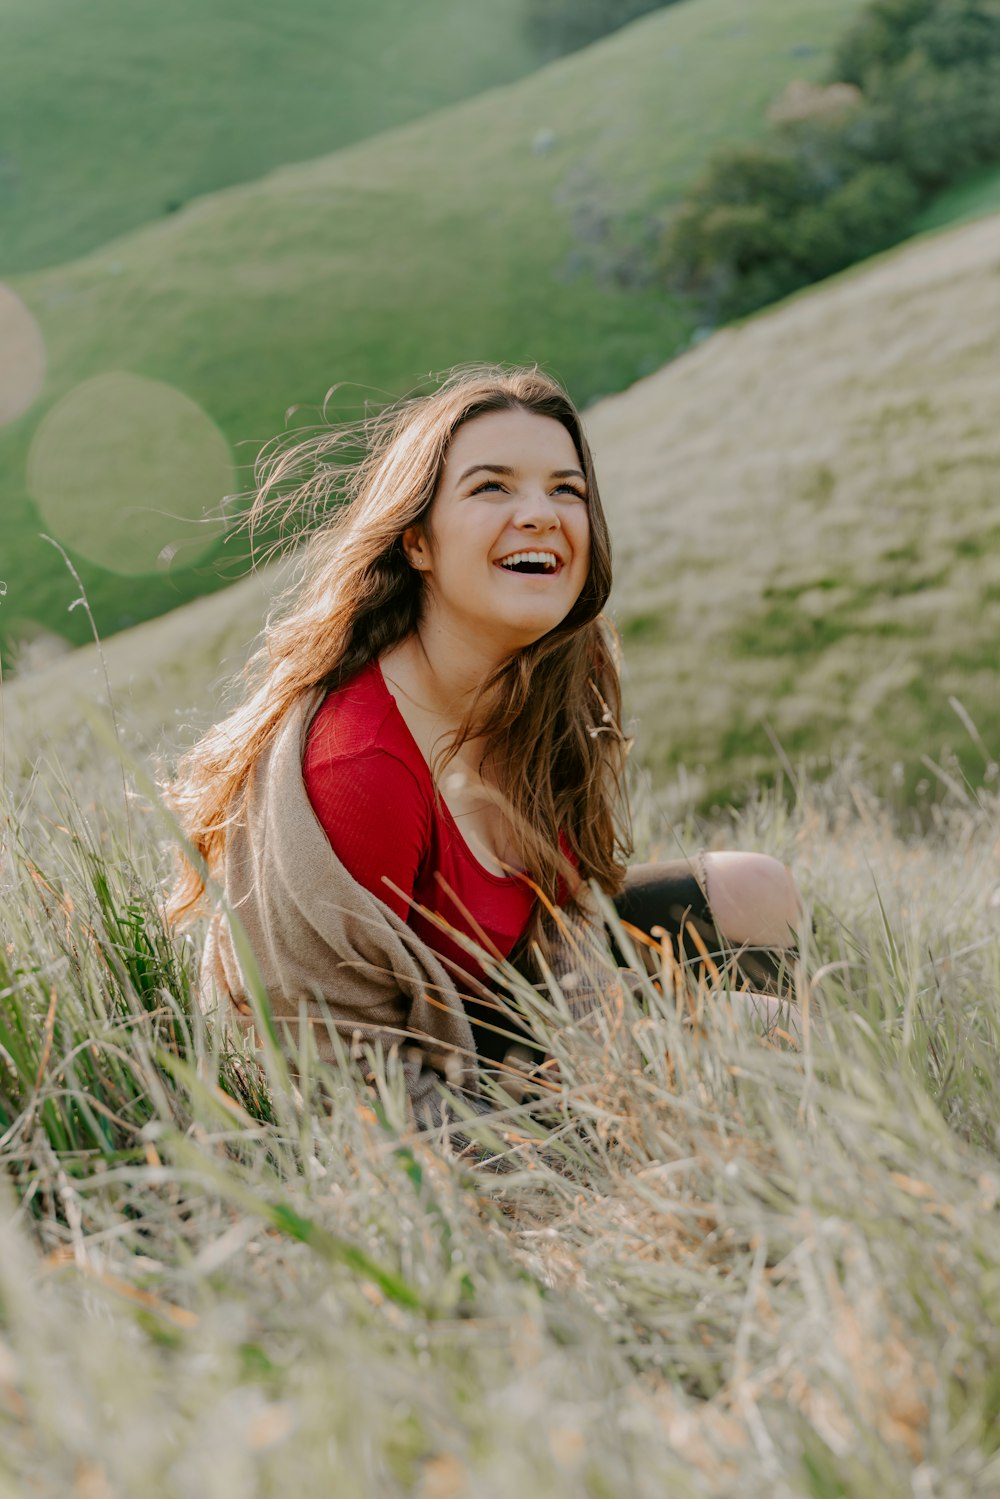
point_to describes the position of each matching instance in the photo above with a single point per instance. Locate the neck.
(441, 669)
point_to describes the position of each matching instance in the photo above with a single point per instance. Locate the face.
(507, 550)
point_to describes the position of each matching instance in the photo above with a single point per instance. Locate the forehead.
(521, 440)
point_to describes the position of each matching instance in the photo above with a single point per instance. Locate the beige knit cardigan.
(330, 951)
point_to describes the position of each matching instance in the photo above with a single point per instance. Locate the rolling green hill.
(112, 115)
(806, 540)
(496, 229)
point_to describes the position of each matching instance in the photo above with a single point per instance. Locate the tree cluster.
(560, 26)
(914, 105)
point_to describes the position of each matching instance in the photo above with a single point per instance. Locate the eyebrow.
(504, 468)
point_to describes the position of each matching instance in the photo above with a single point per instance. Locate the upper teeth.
(548, 558)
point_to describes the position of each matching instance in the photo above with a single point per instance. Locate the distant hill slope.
(112, 115)
(806, 533)
(496, 229)
(807, 524)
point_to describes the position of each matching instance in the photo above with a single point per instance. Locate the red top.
(372, 791)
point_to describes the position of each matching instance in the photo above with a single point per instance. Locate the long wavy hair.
(549, 717)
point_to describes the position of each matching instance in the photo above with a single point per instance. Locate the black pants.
(668, 897)
(672, 898)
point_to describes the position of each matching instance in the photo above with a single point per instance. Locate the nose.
(537, 513)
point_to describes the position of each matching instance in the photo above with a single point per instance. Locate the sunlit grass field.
(503, 227)
(720, 1264)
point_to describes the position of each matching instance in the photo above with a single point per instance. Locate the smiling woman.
(504, 558)
(431, 757)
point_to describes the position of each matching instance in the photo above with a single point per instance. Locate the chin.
(528, 632)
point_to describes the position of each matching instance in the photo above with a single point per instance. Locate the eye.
(571, 488)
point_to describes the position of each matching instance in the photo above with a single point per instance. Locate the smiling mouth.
(539, 564)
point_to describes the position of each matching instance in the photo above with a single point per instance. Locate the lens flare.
(130, 473)
(22, 357)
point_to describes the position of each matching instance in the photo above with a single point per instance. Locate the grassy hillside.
(111, 115)
(494, 229)
(807, 527)
(806, 534)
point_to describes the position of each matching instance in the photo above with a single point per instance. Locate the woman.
(432, 761)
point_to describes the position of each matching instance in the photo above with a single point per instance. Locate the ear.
(415, 549)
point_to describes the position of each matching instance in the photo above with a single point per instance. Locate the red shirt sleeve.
(374, 812)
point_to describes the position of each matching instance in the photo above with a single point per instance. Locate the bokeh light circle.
(22, 357)
(130, 473)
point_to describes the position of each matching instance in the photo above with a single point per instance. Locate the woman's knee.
(754, 898)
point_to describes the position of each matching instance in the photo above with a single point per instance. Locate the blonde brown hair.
(549, 717)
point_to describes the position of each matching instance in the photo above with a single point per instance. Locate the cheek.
(584, 540)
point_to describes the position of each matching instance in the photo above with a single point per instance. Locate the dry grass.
(722, 1266)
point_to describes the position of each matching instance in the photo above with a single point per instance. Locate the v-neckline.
(490, 874)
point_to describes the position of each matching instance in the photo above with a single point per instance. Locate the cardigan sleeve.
(374, 812)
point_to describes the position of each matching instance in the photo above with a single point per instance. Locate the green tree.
(948, 32)
(940, 123)
(770, 218)
(959, 31)
(858, 219)
(878, 39)
(844, 171)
